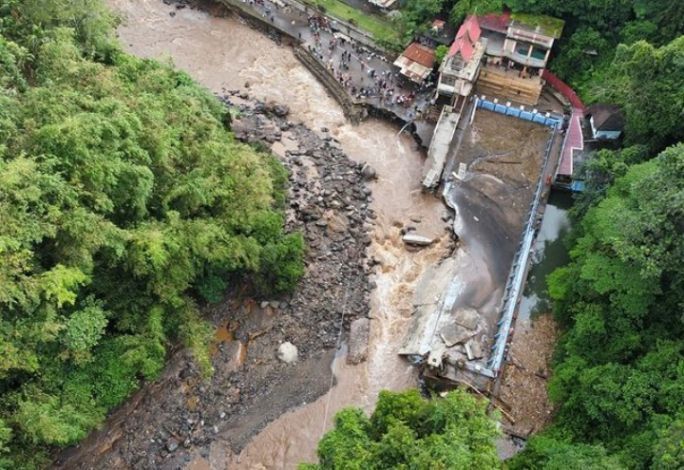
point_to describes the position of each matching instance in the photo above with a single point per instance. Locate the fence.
(563, 88)
(545, 119)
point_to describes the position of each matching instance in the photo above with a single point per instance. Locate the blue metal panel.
(526, 115)
(538, 118)
(577, 186)
(499, 108)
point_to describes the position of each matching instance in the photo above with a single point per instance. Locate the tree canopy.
(125, 202)
(619, 377)
(409, 431)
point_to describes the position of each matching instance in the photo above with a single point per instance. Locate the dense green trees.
(408, 431)
(124, 201)
(619, 377)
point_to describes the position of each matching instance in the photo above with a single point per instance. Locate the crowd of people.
(365, 74)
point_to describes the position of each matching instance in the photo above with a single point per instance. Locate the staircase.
(508, 86)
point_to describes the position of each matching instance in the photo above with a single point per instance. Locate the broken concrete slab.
(455, 358)
(466, 317)
(417, 240)
(474, 349)
(453, 334)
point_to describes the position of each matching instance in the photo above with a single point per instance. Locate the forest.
(125, 205)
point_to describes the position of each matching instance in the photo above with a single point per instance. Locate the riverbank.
(174, 420)
(224, 54)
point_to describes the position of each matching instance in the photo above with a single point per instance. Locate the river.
(225, 54)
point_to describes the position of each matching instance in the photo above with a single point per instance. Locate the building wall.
(597, 134)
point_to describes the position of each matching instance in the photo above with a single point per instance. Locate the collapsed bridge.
(464, 309)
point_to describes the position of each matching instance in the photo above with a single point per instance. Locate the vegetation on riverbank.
(125, 203)
(409, 431)
(618, 377)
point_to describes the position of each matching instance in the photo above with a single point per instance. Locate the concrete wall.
(552, 121)
(354, 112)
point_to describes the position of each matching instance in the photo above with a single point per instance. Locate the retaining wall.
(353, 111)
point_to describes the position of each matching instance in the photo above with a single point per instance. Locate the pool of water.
(549, 252)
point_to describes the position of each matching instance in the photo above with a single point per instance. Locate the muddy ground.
(523, 389)
(174, 420)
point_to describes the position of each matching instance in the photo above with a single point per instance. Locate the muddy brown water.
(225, 54)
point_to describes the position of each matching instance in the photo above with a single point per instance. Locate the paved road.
(367, 76)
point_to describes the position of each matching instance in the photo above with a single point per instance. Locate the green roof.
(548, 25)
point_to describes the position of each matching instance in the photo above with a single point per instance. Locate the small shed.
(416, 62)
(607, 121)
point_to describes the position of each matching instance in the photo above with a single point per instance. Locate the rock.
(263, 304)
(368, 172)
(171, 444)
(281, 110)
(287, 352)
(358, 341)
(247, 85)
(417, 240)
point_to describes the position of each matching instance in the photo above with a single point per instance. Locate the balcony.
(522, 59)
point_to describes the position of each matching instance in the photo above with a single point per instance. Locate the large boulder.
(359, 331)
(417, 240)
(368, 172)
(287, 352)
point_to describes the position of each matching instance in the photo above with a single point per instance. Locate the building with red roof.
(518, 49)
(461, 66)
(416, 62)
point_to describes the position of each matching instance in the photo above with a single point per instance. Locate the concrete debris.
(466, 317)
(455, 358)
(453, 334)
(475, 348)
(417, 240)
(358, 341)
(469, 353)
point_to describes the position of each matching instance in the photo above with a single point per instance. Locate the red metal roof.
(495, 21)
(574, 140)
(421, 54)
(466, 38)
(471, 28)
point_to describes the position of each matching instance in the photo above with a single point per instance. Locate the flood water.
(225, 54)
(549, 253)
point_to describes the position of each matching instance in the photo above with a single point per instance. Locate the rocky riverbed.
(173, 421)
